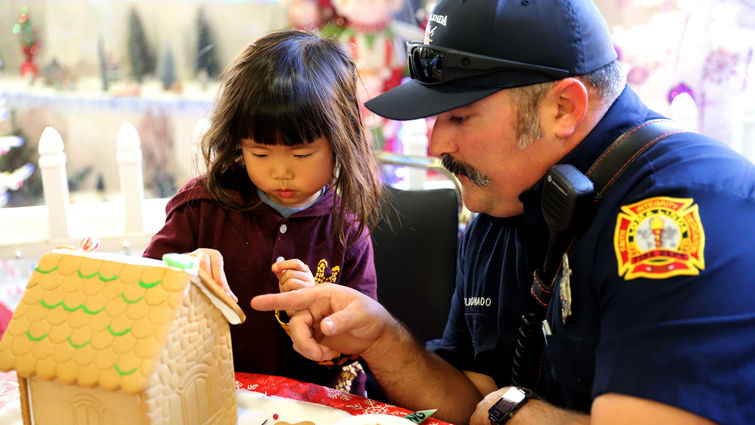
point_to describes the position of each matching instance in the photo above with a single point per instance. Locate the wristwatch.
(511, 401)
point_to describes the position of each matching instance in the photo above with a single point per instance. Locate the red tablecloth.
(269, 385)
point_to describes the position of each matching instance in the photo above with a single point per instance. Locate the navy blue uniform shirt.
(662, 298)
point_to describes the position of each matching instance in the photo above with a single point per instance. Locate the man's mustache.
(463, 169)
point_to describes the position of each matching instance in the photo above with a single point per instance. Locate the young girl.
(291, 179)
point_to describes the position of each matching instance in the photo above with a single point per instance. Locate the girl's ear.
(566, 106)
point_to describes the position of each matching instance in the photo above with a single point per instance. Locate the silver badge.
(565, 286)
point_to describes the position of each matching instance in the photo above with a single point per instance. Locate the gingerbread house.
(108, 339)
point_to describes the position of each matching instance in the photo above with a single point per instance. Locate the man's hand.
(338, 318)
(330, 318)
(480, 415)
(211, 261)
(533, 412)
(292, 274)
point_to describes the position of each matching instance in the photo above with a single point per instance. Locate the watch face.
(514, 395)
(506, 405)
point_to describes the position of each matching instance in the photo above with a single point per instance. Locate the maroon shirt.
(250, 243)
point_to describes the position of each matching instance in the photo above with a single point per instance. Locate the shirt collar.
(318, 207)
(626, 112)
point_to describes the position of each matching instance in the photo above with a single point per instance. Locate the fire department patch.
(658, 238)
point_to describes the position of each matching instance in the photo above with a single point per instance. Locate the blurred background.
(90, 68)
(85, 67)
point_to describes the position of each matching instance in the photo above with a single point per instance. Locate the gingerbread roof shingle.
(88, 320)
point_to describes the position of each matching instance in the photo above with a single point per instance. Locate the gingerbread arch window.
(89, 410)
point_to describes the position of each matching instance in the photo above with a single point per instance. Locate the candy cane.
(90, 243)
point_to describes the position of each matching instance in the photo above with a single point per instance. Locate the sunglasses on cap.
(432, 65)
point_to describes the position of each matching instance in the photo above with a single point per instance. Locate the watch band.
(510, 402)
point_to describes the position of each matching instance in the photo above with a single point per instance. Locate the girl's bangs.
(290, 119)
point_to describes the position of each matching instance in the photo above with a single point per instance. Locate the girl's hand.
(293, 274)
(211, 261)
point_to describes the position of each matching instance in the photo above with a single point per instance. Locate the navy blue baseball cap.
(474, 48)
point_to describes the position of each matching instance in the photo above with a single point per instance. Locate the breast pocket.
(483, 330)
(570, 362)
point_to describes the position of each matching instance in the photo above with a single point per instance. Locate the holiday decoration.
(28, 39)
(90, 244)
(720, 66)
(310, 15)
(158, 143)
(206, 61)
(679, 89)
(140, 54)
(365, 27)
(682, 108)
(691, 60)
(108, 65)
(166, 70)
(56, 75)
(103, 63)
(20, 181)
(111, 339)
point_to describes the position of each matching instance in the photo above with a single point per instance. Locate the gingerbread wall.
(194, 382)
(55, 403)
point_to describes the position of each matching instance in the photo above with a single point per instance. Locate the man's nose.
(441, 141)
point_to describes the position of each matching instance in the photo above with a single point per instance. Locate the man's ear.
(567, 101)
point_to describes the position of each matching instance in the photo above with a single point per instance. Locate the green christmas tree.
(103, 63)
(167, 69)
(206, 61)
(23, 182)
(140, 54)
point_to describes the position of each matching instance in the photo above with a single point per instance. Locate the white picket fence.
(122, 225)
(126, 223)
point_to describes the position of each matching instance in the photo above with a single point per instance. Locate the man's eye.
(457, 119)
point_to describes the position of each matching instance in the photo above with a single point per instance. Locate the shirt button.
(283, 228)
(279, 259)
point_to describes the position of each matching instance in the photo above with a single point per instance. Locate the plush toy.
(309, 15)
(366, 27)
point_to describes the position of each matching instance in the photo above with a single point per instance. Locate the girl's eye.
(259, 155)
(302, 155)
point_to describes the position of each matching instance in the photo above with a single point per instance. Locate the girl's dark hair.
(292, 87)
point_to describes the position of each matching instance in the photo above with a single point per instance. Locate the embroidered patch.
(320, 273)
(658, 238)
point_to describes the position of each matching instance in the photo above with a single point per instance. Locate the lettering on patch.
(659, 238)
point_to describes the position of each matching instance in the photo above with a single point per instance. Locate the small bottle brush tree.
(140, 54)
(20, 181)
(166, 70)
(206, 60)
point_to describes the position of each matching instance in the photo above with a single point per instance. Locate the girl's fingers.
(211, 261)
(290, 264)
